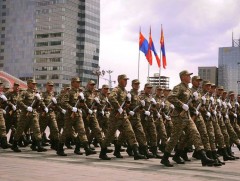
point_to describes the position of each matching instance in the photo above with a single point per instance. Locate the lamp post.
(110, 78)
(98, 72)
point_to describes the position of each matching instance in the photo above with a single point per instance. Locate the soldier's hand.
(131, 113)
(153, 101)
(219, 102)
(158, 115)
(129, 96)
(197, 113)
(195, 95)
(46, 109)
(163, 104)
(90, 111)
(212, 99)
(224, 105)
(38, 96)
(229, 105)
(147, 113)
(3, 97)
(29, 109)
(226, 116)
(4, 112)
(168, 118)
(204, 99)
(63, 111)
(54, 100)
(120, 110)
(235, 115)
(208, 114)
(14, 107)
(97, 100)
(172, 106)
(142, 103)
(81, 95)
(185, 107)
(74, 109)
(236, 104)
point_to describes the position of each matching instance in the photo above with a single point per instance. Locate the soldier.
(28, 103)
(49, 118)
(119, 99)
(72, 102)
(180, 97)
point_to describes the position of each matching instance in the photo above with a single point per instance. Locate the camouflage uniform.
(167, 119)
(233, 119)
(3, 134)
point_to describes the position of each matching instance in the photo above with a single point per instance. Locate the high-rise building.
(50, 39)
(228, 65)
(162, 80)
(209, 73)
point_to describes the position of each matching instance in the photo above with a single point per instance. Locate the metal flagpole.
(148, 72)
(139, 54)
(160, 58)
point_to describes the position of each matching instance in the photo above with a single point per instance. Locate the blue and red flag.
(143, 46)
(163, 49)
(151, 47)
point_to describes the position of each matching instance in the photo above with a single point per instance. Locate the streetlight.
(110, 78)
(98, 72)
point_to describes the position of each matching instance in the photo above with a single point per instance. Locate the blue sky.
(193, 30)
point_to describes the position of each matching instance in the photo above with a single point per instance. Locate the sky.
(193, 31)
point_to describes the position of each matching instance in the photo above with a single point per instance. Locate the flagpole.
(160, 61)
(139, 55)
(148, 72)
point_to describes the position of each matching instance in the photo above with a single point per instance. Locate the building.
(164, 81)
(229, 66)
(209, 73)
(50, 40)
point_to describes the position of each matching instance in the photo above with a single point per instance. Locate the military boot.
(177, 157)
(196, 155)
(60, 150)
(4, 143)
(68, 143)
(165, 160)
(161, 147)
(11, 139)
(34, 145)
(95, 143)
(216, 162)
(40, 147)
(15, 146)
(146, 152)
(215, 157)
(230, 153)
(54, 144)
(137, 155)
(184, 155)
(117, 152)
(103, 154)
(28, 138)
(77, 149)
(225, 154)
(130, 151)
(155, 153)
(88, 151)
(204, 159)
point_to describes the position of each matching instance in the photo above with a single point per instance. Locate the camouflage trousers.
(73, 121)
(103, 123)
(161, 131)
(149, 128)
(121, 123)
(224, 130)
(2, 125)
(168, 126)
(232, 134)
(92, 128)
(60, 121)
(49, 119)
(28, 120)
(236, 127)
(12, 120)
(138, 130)
(218, 133)
(181, 126)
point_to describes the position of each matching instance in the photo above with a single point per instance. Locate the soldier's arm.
(64, 102)
(20, 100)
(113, 99)
(173, 97)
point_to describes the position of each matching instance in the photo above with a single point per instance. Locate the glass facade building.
(209, 73)
(228, 68)
(53, 40)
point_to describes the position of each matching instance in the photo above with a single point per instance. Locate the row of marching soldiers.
(205, 117)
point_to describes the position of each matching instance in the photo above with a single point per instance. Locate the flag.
(152, 48)
(163, 50)
(143, 46)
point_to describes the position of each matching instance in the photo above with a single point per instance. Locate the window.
(2, 50)
(3, 28)
(42, 36)
(3, 14)
(54, 43)
(4, 6)
(41, 44)
(2, 43)
(3, 21)
(2, 35)
(55, 34)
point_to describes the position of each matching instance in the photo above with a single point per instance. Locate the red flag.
(163, 49)
(149, 52)
(151, 46)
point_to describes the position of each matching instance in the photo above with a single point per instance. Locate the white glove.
(197, 113)
(54, 100)
(14, 107)
(168, 118)
(4, 112)
(74, 109)
(208, 114)
(153, 101)
(90, 111)
(97, 100)
(158, 115)
(131, 113)
(212, 100)
(224, 105)
(226, 116)
(142, 103)
(215, 113)
(172, 106)
(229, 105)
(102, 112)
(236, 104)
(3, 97)
(120, 110)
(129, 96)
(81, 95)
(29, 109)
(185, 107)
(163, 104)
(46, 109)
(63, 111)
(204, 99)
(219, 115)
(147, 113)
(195, 94)
(38, 96)
(219, 102)
(235, 115)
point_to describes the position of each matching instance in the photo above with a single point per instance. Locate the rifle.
(31, 105)
(183, 111)
(149, 107)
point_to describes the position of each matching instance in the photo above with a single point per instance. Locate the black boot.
(60, 150)
(15, 146)
(12, 136)
(109, 150)
(146, 152)
(196, 155)
(4, 143)
(225, 154)
(209, 155)
(137, 155)
(184, 155)
(77, 149)
(177, 157)
(95, 143)
(68, 143)
(130, 151)
(103, 154)
(20, 142)
(40, 147)
(161, 147)
(117, 153)
(28, 138)
(230, 153)
(154, 152)
(215, 157)
(205, 160)
(165, 160)
(88, 151)
(54, 144)
(34, 145)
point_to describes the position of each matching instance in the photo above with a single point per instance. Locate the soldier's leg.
(162, 134)
(53, 130)
(3, 134)
(94, 126)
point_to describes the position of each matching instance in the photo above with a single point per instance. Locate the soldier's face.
(123, 82)
(219, 92)
(91, 87)
(105, 91)
(186, 79)
(136, 86)
(49, 88)
(196, 83)
(16, 88)
(32, 86)
(76, 84)
(158, 92)
(207, 88)
(148, 90)
(232, 96)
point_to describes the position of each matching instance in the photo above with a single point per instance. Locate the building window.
(3, 21)
(3, 14)
(3, 28)
(54, 43)
(42, 36)
(4, 6)
(55, 34)
(41, 44)
(2, 50)
(2, 43)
